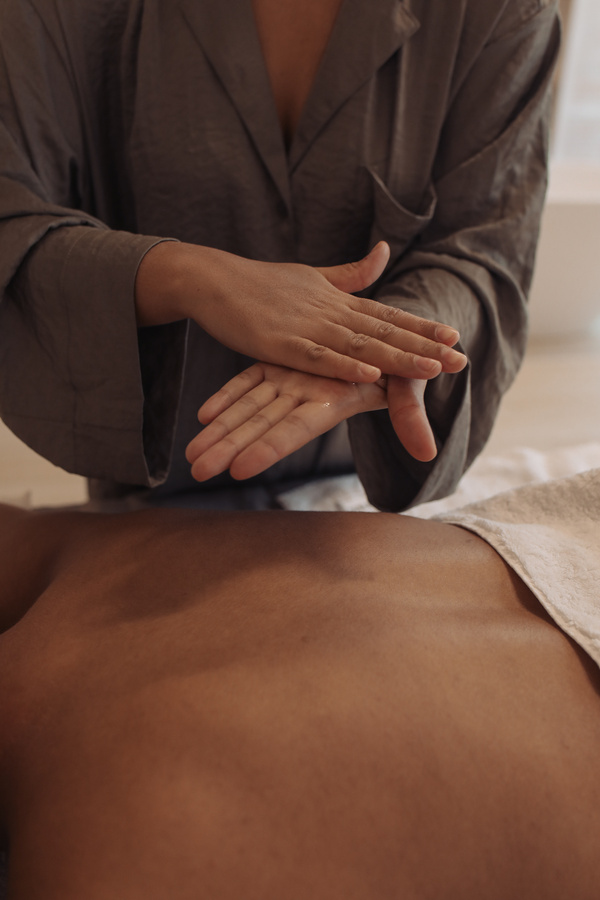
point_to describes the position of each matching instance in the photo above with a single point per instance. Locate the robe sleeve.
(71, 383)
(472, 265)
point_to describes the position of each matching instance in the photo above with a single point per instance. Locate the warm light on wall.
(577, 124)
(567, 276)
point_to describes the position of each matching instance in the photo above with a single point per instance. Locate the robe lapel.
(226, 30)
(365, 35)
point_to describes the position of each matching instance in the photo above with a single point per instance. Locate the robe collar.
(365, 35)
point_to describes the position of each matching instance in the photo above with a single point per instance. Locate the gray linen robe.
(128, 121)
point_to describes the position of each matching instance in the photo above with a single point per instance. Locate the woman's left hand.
(406, 406)
(268, 411)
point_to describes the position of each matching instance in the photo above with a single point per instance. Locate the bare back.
(273, 705)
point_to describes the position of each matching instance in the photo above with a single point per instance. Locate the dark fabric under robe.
(128, 121)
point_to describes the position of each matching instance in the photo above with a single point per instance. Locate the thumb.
(406, 404)
(356, 276)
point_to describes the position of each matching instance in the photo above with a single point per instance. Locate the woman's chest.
(204, 156)
(293, 36)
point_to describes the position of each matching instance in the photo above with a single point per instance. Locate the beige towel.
(550, 535)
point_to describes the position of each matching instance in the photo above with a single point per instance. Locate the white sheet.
(21, 499)
(487, 476)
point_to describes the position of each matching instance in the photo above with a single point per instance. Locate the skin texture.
(293, 38)
(364, 706)
(267, 412)
(305, 318)
(293, 314)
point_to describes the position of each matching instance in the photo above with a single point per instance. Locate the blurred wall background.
(565, 298)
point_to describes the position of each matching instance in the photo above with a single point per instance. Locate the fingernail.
(444, 333)
(430, 366)
(451, 356)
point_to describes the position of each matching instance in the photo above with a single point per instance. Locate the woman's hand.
(406, 406)
(294, 315)
(267, 412)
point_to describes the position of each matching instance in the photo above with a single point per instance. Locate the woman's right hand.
(293, 315)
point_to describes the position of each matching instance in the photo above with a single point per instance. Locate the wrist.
(175, 280)
(155, 285)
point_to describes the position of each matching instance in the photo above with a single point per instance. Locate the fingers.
(245, 408)
(273, 418)
(399, 352)
(361, 356)
(294, 431)
(406, 404)
(218, 446)
(355, 338)
(236, 388)
(247, 445)
(357, 276)
(317, 359)
(389, 318)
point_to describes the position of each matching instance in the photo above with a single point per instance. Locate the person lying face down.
(298, 705)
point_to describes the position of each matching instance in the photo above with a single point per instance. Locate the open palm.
(268, 411)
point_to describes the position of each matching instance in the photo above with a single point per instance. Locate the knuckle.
(248, 404)
(389, 314)
(410, 321)
(261, 419)
(271, 393)
(291, 401)
(358, 342)
(230, 443)
(315, 352)
(297, 423)
(225, 394)
(427, 348)
(246, 376)
(385, 330)
(364, 305)
(270, 451)
(418, 322)
(216, 430)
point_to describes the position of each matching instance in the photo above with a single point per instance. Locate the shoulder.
(78, 35)
(66, 19)
(516, 14)
(480, 20)
(68, 9)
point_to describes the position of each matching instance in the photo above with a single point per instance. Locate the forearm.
(175, 280)
(72, 385)
(72, 373)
